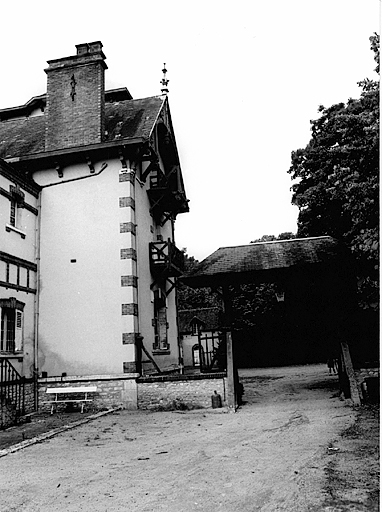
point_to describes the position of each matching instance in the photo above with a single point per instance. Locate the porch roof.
(266, 261)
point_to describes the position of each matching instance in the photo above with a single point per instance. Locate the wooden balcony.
(166, 259)
(165, 194)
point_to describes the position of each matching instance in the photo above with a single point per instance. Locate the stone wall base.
(180, 391)
(112, 390)
(10, 415)
(132, 392)
(368, 383)
(29, 398)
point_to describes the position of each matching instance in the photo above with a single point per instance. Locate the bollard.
(216, 400)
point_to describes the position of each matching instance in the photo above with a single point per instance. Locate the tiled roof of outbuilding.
(209, 317)
(259, 257)
(126, 119)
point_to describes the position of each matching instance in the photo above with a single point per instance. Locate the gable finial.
(164, 80)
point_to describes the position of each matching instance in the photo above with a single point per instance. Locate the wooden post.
(231, 391)
(354, 392)
(231, 380)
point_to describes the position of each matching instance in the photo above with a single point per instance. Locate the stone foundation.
(10, 415)
(368, 383)
(112, 390)
(132, 392)
(180, 391)
(29, 398)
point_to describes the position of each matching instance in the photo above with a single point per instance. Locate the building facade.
(107, 188)
(202, 339)
(18, 268)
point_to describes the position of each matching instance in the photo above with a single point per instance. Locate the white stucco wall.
(80, 321)
(80, 302)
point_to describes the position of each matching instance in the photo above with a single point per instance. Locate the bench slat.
(89, 389)
(64, 401)
(64, 391)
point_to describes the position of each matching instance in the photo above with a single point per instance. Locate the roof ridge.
(277, 241)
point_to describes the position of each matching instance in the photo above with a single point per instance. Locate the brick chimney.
(76, 98)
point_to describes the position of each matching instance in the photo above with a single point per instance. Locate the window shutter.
(19, 330)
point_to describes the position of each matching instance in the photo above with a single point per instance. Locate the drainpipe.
(37, 301)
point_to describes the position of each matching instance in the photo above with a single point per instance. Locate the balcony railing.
(165, 196)
(12, 397)
(166, 258)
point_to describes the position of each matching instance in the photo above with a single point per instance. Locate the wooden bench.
(59, 392)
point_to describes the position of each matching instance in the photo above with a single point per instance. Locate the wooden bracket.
(139, 341)
(173, 285)
(167, 217)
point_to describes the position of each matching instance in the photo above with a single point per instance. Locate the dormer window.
(194, 328)
(16, 203)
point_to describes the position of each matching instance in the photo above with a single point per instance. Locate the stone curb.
(47, 435)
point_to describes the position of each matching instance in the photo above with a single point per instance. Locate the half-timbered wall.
(18, 271)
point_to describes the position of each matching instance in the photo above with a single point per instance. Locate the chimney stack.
(76, 98)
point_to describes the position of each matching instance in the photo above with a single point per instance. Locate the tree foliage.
(256, 303)
(337, 180)
(195, 298)
(286, 235)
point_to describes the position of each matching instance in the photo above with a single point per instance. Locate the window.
(195, 327)
(11, 325)
(195, 355)
(16, 204)
(160, 321)
(13, 213)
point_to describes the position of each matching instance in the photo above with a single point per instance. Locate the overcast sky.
(246, 77)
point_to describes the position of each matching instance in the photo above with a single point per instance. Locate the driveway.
(273, 454)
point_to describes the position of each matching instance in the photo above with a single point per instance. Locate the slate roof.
(127, 119)
(22, 137)
(208, 317)
(133, 118)
(241, 262)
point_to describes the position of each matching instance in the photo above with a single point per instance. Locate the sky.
(246, 78)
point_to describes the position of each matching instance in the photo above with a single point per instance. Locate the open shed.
(314, 278)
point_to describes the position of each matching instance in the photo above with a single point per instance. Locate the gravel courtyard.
(292, 446)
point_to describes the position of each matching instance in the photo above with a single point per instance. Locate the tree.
(337, 187)
(255, 302)
(195, 298)
(286, 235)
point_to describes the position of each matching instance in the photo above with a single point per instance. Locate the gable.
(208, 318)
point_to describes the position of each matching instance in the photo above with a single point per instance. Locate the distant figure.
(332, 365)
